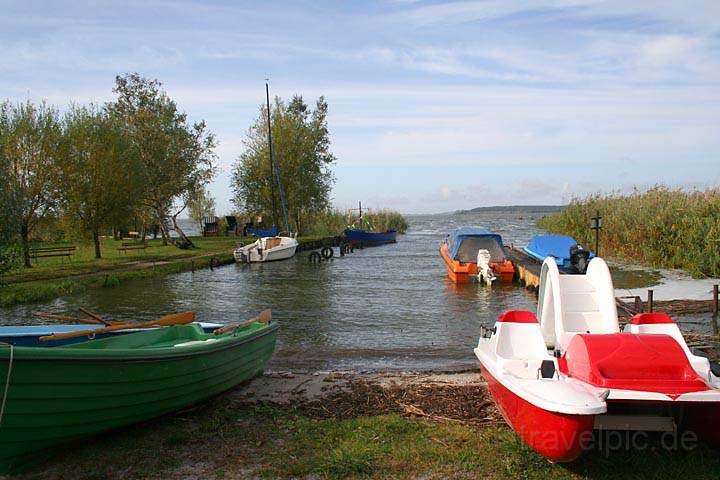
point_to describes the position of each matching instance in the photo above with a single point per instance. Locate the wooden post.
(638, 304)
(650, 301)
(596, 224)
(192, 266)
(715, 311)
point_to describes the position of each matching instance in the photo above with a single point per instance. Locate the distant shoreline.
(515, 208)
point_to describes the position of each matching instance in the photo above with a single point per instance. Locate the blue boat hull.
(370, 238)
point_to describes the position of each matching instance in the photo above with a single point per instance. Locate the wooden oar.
(167, 320)
(64, 318)
(264, 317)
(96, 317)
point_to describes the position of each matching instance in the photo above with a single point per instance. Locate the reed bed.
(334, 222)
(660, 227)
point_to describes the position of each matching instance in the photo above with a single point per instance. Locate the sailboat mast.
(275, 172)
(272, 166)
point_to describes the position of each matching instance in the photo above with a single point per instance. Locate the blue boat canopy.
(556, 246)
(263, 233)
(464, 243)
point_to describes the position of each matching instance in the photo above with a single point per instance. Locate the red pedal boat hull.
(556, 436)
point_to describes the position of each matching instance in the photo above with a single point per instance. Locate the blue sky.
(434, 106)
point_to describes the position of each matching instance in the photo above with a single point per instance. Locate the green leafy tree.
(8, 218)
(301, 143)
(31, 136)
(176, 157)
(201, 205)
(97, 171)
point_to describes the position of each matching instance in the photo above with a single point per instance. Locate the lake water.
(388, 307)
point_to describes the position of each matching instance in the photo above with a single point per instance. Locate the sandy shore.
(289, 387)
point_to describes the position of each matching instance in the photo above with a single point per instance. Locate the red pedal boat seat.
(651, 318)
(644, 362)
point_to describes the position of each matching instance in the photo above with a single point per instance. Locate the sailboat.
(275, 247)
(361, 232)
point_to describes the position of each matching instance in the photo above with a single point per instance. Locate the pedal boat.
(460, 250)
(266, 249)
(574, 371)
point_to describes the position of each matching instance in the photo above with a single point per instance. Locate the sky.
(434, 106)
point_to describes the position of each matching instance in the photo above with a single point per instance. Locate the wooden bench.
(134, 243)
(125, 246)
(45, 252)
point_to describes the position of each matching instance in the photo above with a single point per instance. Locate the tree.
(97, 171)
(201, 205)
(8, 217)
(176, 157)
(30, 143)
(301, 143)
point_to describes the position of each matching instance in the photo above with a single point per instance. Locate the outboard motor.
(485, 273)
(579, 259)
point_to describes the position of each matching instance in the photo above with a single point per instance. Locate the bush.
(661, 227)
(9, 259)
(334, 222)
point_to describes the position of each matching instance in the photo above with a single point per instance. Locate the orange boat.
(461, 250)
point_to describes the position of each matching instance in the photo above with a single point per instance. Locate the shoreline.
(345, 425)
(36, 288)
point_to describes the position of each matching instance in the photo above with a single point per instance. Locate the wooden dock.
(528, 268)
(305, 244)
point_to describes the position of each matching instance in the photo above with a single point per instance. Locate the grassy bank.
(223, 439)
(660, 228)
(83, 261)
(43, 290)
(53, 277)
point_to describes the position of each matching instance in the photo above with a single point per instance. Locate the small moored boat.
(359, 236)
(462, 249)
(266, 249)
(52, 395)
(361, 232)
(570, 256)
(557, 379)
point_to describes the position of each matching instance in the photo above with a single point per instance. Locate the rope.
(7, 380)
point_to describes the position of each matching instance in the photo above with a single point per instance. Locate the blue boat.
(29, 335)
(559, 247)
(356, 236)
(255, 232)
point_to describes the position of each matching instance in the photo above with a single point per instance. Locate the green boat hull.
(61, 394)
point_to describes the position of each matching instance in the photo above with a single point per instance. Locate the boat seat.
(519, 336)
(576, 304)
(272, 243)
(661, 323)
(644, 362)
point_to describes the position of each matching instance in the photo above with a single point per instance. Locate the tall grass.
(661, 227)
(334, 222)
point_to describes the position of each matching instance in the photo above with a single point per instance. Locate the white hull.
(267, 249)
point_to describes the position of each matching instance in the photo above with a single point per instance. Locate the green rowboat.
(55, 395)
